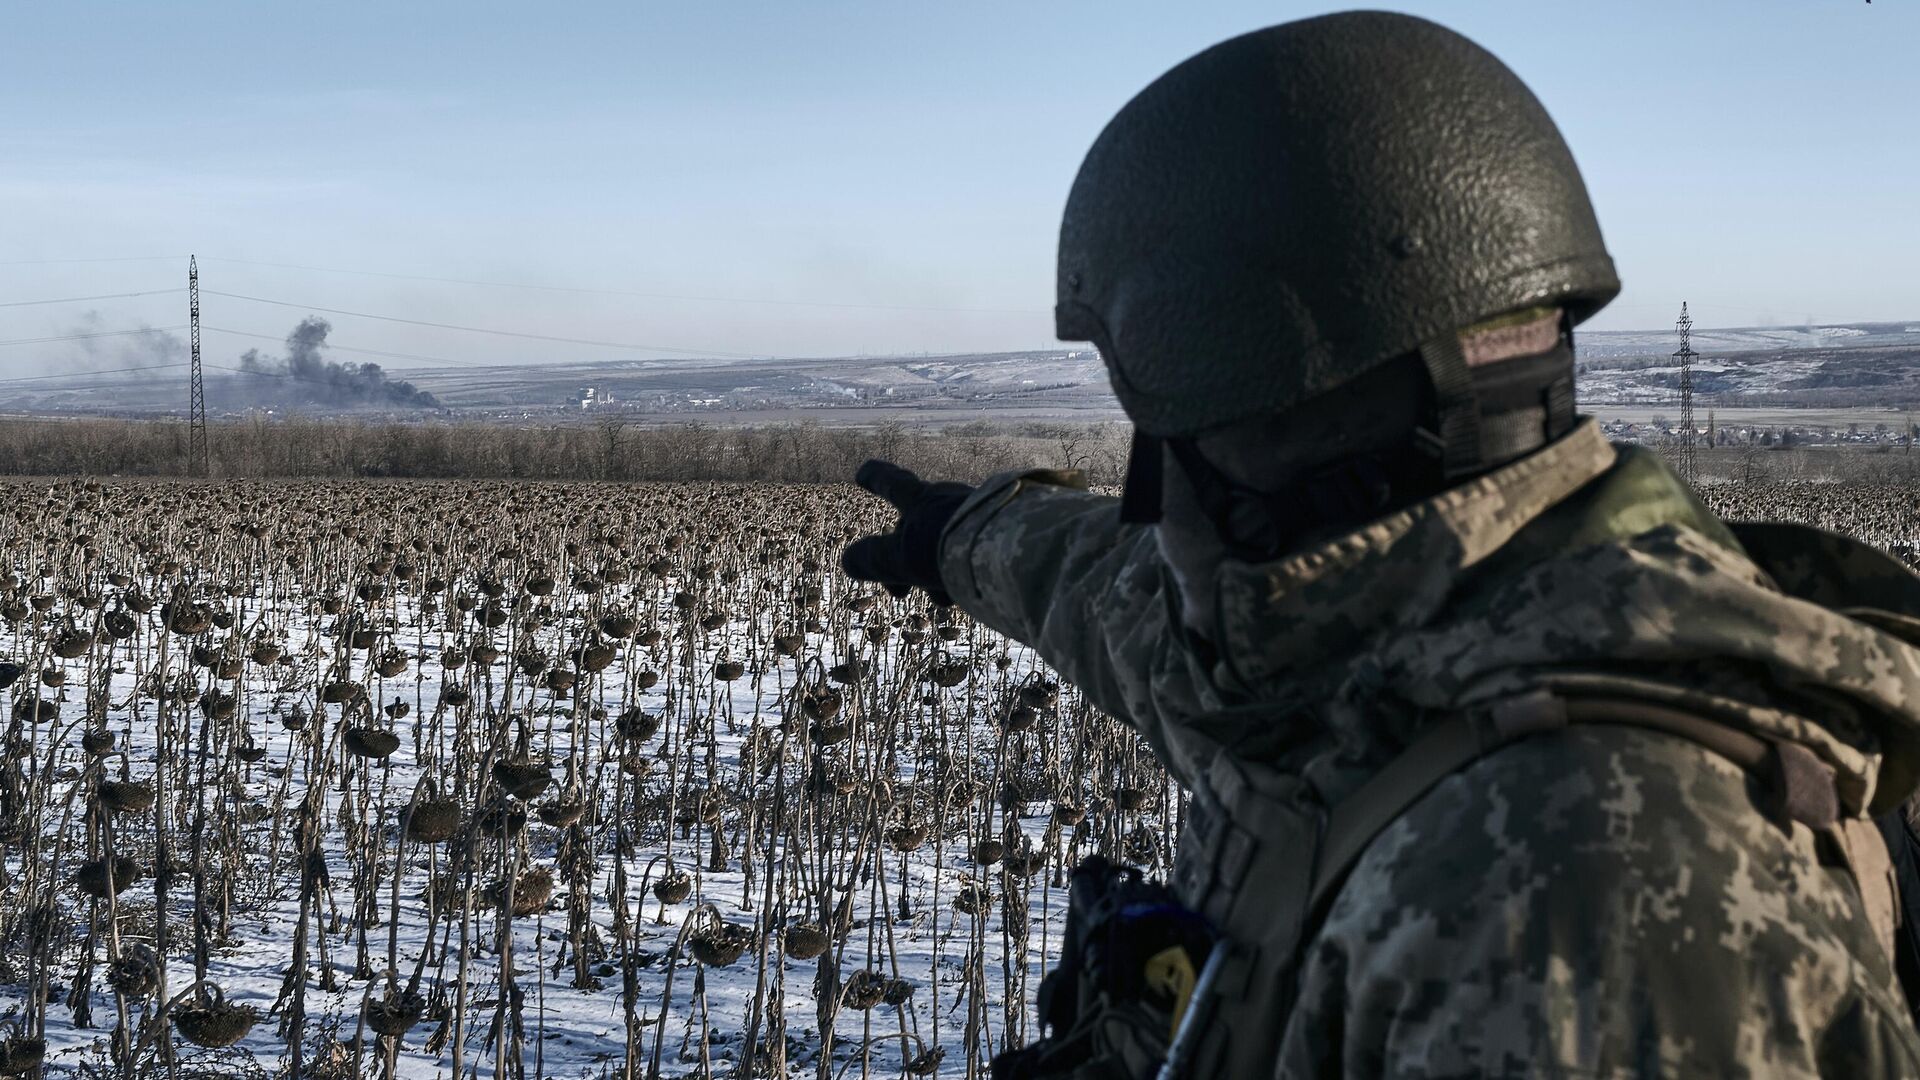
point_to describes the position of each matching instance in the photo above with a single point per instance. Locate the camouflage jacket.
(1603, 902)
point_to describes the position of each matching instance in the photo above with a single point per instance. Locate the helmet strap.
(1558, 397)
(1140, 496)
(1454, 437)
(1485, 416)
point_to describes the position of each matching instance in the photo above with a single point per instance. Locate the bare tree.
(612, 467)
(1072, 441)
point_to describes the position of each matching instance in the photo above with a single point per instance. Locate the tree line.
(612, 449)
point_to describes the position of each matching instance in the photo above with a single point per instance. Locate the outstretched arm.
(1038, 558)
(1035, 556)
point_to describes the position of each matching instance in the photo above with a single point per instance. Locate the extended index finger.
(891, 482)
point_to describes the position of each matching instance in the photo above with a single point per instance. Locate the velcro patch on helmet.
(1526, 333)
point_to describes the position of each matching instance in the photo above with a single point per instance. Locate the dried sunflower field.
(340, 779)
(345, 779)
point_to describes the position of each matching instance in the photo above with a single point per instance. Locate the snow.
(575, 1032)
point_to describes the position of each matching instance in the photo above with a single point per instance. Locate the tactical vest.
(1253, 829)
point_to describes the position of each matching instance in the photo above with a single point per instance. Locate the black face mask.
(1255, 525)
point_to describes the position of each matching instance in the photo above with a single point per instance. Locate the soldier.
(1507, 758)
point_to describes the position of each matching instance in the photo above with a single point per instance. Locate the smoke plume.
(148, 354)
(329, 382)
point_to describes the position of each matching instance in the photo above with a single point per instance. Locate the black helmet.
(1297, 206)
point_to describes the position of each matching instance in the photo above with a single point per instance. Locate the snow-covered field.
(681, 672)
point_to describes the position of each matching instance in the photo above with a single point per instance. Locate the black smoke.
(311, 377)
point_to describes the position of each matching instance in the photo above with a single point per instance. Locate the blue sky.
(809, 179)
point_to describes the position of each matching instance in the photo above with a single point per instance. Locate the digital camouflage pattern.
(1598, 902)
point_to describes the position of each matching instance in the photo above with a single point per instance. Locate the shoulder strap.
(1901, 842)
(1802, 786)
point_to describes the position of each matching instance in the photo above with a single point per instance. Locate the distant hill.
(1842, 366)
(1829, 366)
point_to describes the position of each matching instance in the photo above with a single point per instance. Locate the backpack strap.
(1901, 842)
(1800, 785)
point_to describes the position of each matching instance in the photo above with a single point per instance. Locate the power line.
(90, 374)
(61, 262)
(1616, 305)
(216, 329)
(77, 299)
(349, 348)
(627, 292)
(289, 375)
(499, 333)
(120, 383)
(294, 375)
(257, 371)
(10, 379)
(94, 334)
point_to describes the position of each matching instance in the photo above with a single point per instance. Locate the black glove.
(909, 556)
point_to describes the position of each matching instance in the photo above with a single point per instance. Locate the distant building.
(592, 397)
